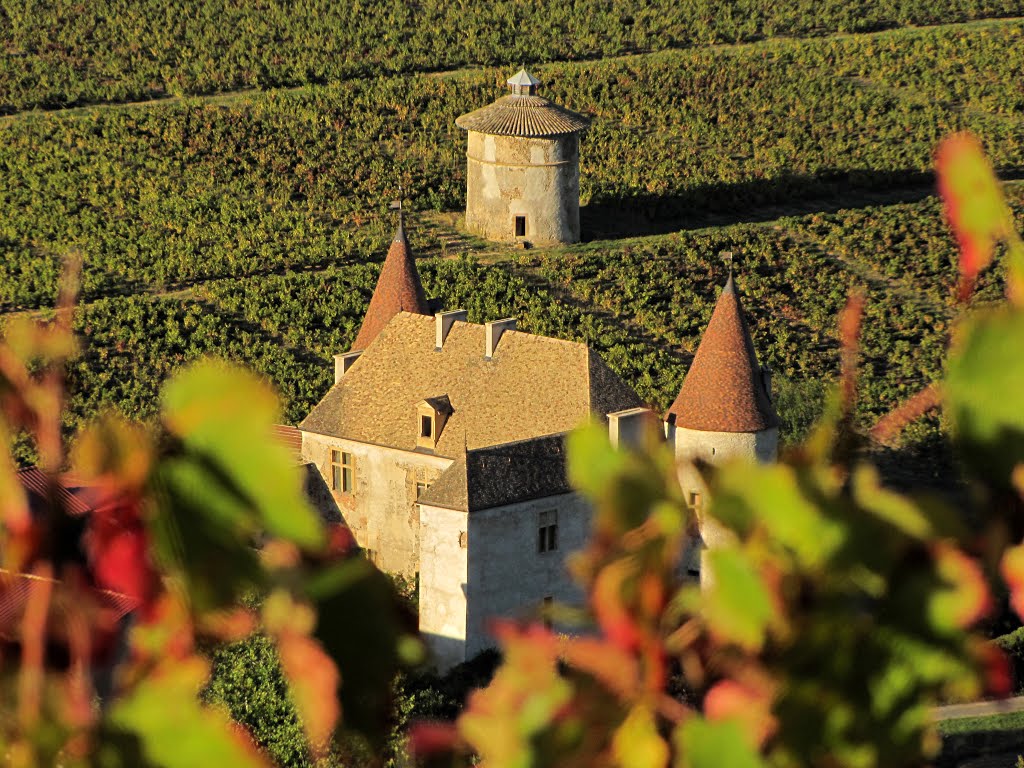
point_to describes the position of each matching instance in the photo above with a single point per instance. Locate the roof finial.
(727, 256)
(522, 83)
(396, 205)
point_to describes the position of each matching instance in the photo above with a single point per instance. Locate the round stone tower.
(523, 168)
(724, 409)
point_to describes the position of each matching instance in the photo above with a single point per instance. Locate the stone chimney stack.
(626, 428)
(493, 331)
(343, 362)
(443, 322)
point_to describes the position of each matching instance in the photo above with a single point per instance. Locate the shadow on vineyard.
(723, 204)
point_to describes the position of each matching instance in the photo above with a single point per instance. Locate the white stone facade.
(487, 564)
(381, 509)
(716, 448)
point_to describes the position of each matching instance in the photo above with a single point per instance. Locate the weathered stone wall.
(509, 176)
(508, 577)
(717, 448)
(443, 580)
(382, 511)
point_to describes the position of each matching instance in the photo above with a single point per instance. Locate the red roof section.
(398, 289)
(290, 438)
(35, 483)
(724, 390)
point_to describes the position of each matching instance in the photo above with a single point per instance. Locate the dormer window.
(431, 416)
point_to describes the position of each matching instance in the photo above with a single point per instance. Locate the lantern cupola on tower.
(522, 167)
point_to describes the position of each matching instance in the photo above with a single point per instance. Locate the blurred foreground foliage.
(833, 616)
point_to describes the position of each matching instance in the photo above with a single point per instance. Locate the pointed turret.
(725, 389)
(398, 290)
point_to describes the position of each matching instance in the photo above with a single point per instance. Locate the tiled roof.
(723, 390)
(15, 592)
(523, 115)
(398, 290)
(532, 386)
(33, 480)
(290, 438)
(503, 474)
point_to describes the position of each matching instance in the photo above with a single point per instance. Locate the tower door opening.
(520, 226)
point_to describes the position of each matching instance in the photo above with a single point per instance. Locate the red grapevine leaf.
(973, 203)
(747, 705)
(1012, 568)
(313, 678)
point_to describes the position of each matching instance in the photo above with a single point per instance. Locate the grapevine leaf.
(313, 679)
(369, 650)
(702, 744)
(973, 202)
(736, 604)
(637, 743)
(983, 387)
(1012, 568)
(173, 728)
(226, 414)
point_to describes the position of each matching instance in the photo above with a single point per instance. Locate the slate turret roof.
(523, 113)
(398, 290)
(724, 390)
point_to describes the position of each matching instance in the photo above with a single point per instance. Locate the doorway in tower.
(520, 226)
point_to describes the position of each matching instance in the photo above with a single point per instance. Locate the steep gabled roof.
(723, 390)
(398, 290)
(532, 386)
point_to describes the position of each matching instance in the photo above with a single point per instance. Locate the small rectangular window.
(343, 468)
(520, 226)
(547, 531)
(694, 501)
(420, 488)
(335, 470)
(426, 426)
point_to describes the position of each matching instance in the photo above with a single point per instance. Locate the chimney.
(766, 380)
(492, 334)
(343, 362)
(626, 428)
(443, 323)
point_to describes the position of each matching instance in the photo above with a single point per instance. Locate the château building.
(442, 447)
(441, 443)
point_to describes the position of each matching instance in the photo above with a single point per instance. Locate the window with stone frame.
(343, 471)
(547, 531)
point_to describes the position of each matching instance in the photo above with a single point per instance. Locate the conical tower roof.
(724, 390)
(398, 290)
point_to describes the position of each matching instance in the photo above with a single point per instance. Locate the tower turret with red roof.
(724, 409)
(398, 290)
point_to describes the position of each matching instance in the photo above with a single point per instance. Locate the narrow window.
(547, 531)
(420, 488)
(336, 470)
(348, 473)
(426, 426)
(520, 226)
(695, 502)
